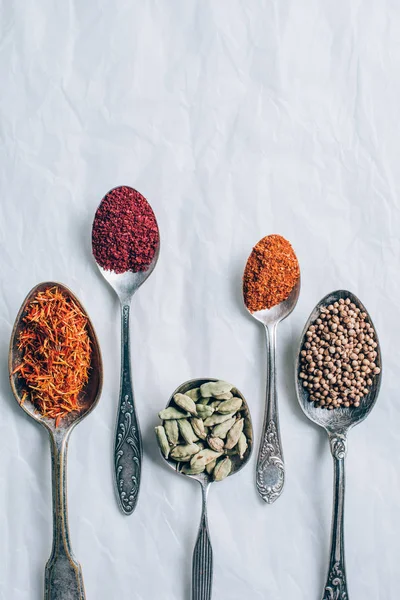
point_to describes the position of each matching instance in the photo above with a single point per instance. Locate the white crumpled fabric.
(235, 119)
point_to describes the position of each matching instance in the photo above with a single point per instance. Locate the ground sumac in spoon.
(125, 233)
(271, 273)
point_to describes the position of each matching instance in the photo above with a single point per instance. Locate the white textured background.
(235, 119)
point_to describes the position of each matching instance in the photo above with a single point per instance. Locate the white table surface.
(235, 119)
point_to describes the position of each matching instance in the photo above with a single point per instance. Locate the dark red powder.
(125, 233)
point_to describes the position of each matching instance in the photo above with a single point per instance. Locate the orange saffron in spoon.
(55, 354)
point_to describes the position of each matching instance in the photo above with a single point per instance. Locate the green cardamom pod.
(187, 470)
(216, 420)
(242, 445)
(222, 429)
(204, 411)
(203, 458)
(230, 406)
(215, 403)
(198, 427)
(226, 396)
(172, 431)
(247, 429)
(172, 413)
(204, 401)
(222, 469)
(210, 466)
(215, 388)
(187, 431)
(194, 394)
(184, 453)
(186, 403)
(215, 443)
(233, 435)
(162, 440)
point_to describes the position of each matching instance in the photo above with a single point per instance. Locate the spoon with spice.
(207, 435)
(338, 376)
(271, 287)
(56, 376)
(126, 246)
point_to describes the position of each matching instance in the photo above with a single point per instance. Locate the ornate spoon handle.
(202, 567)
(270, 470)
(63, 574)
(336, 584)
(128, 441)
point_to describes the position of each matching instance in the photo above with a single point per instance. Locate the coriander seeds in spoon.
(126, 245)
(338, 376)
(271, 287)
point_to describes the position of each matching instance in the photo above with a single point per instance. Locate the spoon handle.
(128, 441)
(202, 566)
(336, 584)
(270, 469)
(63, 574)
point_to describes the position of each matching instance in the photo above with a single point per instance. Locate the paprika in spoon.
(271, 287)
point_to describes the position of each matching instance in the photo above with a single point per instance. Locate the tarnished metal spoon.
(202, 565)
(63, 574)
(128, 449)
(270, 467)
(337, 423)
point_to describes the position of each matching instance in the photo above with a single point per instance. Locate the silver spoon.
(202, 564)
(63, 574)
(128, 449)
(270, 468)
(337, 423)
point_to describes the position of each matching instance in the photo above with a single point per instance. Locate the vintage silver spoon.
(128, 449)
(63, 574)
(337, 423)
(270, 468)
(202, 564)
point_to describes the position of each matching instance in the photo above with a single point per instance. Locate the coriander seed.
(338, 362)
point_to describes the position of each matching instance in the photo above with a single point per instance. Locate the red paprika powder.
(125, 234)
(271, 273)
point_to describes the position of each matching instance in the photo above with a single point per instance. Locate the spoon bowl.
(128, 441)
(237, 464)
(126, 284)
(338, 419)
(337, 423)
(63, 574)
(89, 398)
(279, 312)
(202, 567)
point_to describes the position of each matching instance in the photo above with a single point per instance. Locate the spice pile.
(55, 353)
(206, 428)
(338, 361)
(125, 233)
(271, 273)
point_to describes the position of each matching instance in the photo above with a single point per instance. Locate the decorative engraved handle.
(202, 568)
(336, 585)
(270, 469)
(128, 441)
(63, 574)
